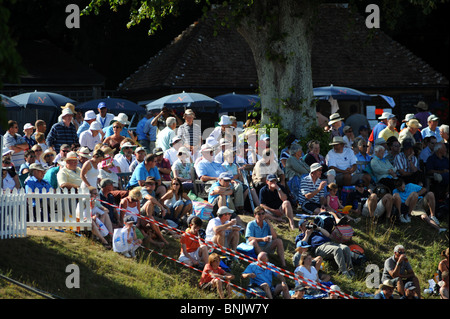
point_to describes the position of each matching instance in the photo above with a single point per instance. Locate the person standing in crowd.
(28, 129)
(16, 143)
(63, 132)
(103, 117)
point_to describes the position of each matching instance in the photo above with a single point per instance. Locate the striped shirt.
(61, 134)
(401, 162)
(17, 158)
(190, 134)
(308, 186)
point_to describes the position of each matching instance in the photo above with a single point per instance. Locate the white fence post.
(12, 214)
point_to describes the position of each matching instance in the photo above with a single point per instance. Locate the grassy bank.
(40, 261)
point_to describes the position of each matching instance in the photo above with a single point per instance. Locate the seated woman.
(314, 156)
(177, 202)
(306, 270)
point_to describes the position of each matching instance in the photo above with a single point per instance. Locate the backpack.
(342, 233)
(325, 221)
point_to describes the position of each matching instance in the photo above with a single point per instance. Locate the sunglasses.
(176, 184)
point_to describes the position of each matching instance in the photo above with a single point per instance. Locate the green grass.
(40, 261)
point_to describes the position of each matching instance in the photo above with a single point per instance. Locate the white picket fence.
(55, 209)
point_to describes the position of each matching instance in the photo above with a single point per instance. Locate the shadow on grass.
(42, 262)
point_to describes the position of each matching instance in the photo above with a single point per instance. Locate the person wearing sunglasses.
(262, 236)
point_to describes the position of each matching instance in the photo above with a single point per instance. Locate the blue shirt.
(150, 129)
(33, 184)
(428, 132)
(263, 275)
(253, 230)
(211, 169)
(211, 198)
(140, 130)
(141, 173)
(409, 188)
(51, 178)
(83, 127)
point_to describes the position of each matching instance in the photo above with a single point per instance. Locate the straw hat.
(46, 152)
(71, 156)
(85, 152)
(421, 105)
(122, 118)
(414, 123)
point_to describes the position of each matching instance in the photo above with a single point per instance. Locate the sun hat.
(175, 139)
(414, 123)
(387, 283)
(71, 156)
(183, 150)
(69, 106)
(206, 147)
(89, 115)
(189, 112)
(408, 117)
(421, 105)
(337, 140)
(384, 116)
(225, 120)
(28, 126)
(315, 166)
(66, 111)
(46, 152)
(335, 117)
(95, 126)
(84, 152)
(36, 166)
(127, 144)
(122, 118)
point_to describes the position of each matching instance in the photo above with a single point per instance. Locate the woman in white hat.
(92, 136)
(183, 168)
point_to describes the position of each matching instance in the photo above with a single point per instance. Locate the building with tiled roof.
(345, 53)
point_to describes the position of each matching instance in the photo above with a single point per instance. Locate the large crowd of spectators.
(394, 171)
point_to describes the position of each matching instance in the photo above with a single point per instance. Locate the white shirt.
(210, 228)
(342, 160)
(123, 163)
(105, 121)
(88, 140)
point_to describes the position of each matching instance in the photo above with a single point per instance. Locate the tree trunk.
(279, 34)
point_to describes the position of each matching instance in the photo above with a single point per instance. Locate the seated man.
(398, 269)
(208, 171)
(223, 231)
(273, 198)
(415, 204)
(438, 166)
(69, 176)
(36, 183)
(312, 190)
(260, 276)
(262, 236)
(343, 160)
(321, 244)
(267, 166)
(145, 169)
(407, 164)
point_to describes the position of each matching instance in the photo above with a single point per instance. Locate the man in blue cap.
(103, 117)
